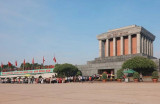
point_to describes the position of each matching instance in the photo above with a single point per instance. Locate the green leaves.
(120, 74)
(104, 76)
(155, 75)
(136, 75)
(28, 65)
(140, 64)
(79, 73)
(66, 70)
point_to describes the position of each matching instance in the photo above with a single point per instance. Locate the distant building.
(119, 45)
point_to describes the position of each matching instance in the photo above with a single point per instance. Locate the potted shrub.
(119, 75)
(104, 77)
(155, 76)
(136, 76)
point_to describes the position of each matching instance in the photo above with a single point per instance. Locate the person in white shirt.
(42, 80)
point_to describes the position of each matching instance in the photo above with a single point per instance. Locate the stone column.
(151, 48)
(107, 48)
(142, 42)
(129, 44)
(138, 43)
(147, 46)
(100, 48)
(114, 46)
(103, 48)
(122, 45)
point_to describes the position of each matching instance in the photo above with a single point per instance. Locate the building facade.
(119, 45)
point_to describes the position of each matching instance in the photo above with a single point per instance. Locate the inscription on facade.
(116, 34)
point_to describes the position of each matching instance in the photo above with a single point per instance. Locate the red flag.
(24, 62)
(52, 66)
(9, 64)
(54, 59)
(33, 61)
(1, 65)
(43, 59)
(15, 63)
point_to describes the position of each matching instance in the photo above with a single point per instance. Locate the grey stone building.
(119, 45)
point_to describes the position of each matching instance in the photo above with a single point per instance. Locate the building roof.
(124, 31)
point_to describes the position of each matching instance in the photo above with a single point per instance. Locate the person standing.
(79, 78)
(141, 77)
(29, 80)
(90, 79)
(69, 79)
(57, 79)
(50, 79)
(42, 80)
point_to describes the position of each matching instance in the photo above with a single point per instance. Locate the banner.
(37, 71)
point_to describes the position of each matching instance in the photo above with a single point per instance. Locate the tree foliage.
(66, 70)
(155, 75)
(79, 73)
(30, 66)
(140, 64)
(7, 67)
(136, 75)
(104, 76)
(120, 74)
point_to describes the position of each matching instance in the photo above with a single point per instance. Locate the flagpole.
(32, 66)
(43, 61)
(1, 67)
(33, 63)
(8, 65)
(23, 66)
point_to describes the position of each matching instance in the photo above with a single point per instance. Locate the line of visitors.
(41, 80)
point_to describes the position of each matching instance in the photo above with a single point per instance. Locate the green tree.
(65, 70)
(140, 64)
(7, 67)
(120, 74)
(30, 66)
(79, 73)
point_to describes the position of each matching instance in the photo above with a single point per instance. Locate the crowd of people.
(41, 80)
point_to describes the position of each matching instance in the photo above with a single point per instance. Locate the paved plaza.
(81, 93)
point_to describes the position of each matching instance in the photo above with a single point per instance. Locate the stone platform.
(114, 62)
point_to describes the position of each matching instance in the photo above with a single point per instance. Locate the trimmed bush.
(155, 75)
(104, 76)
(136, 75)
(140, 64)
(120, 74)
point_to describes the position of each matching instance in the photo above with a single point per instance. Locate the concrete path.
(80, 93)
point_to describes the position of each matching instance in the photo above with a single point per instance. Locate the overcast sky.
(67, 29)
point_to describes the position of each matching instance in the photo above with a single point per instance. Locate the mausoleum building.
(119, 45)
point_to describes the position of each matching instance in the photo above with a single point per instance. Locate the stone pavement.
(80, 93)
